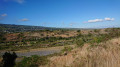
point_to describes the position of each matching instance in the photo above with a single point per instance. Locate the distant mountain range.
(11, 28)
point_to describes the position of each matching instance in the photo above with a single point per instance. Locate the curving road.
(39, 51)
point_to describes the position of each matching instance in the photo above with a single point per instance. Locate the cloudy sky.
(61, 13)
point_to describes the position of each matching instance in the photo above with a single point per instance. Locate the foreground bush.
(33, 61)
(9, 59)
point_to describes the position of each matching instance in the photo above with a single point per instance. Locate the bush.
(9, 59)
(67, 49)
(96, 30)
(2, 37)
(80, 42)
(97, 39)
(89, 34)
(78, 30)
(33, 61)
(42, 34)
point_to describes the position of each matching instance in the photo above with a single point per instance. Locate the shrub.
(96, 30)
(80, 42)
(9, 59)
(2, 38)
(78, 30)
(42, 34)
(33, 61)
(89, 34)
(67, 49)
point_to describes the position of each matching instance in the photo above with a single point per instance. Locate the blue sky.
(61, 13)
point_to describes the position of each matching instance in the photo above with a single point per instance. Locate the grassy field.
(46, 38)
(93, 48)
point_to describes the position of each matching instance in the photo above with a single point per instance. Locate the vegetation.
(9, 59)
(2, 37)
(96, 40)
(80, 42)
(33, 61)
(22, 41)
(67, 48)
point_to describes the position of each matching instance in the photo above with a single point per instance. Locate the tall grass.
(105, 54)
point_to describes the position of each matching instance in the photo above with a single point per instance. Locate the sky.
(61, 13)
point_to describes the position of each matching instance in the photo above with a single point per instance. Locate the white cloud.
(71, 24)
(3, 15)
(95, 20)
(109, 19)
(100, 20)
(25, 19)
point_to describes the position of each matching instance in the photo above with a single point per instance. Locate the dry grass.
(52, 34)
(98, 55)
(42, 34)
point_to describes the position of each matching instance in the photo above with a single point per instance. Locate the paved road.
(40, 52)
(28, 54)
